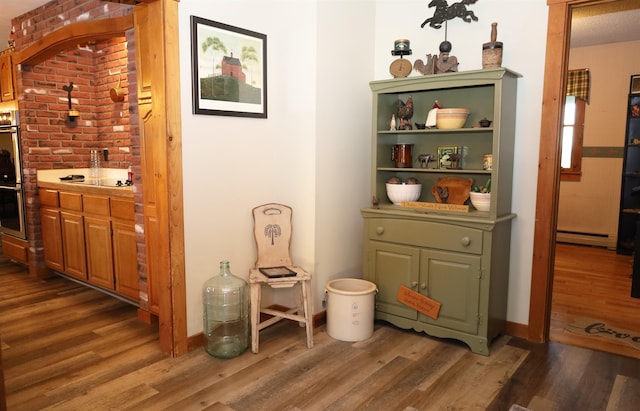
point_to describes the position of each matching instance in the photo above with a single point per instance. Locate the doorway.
(549, 171)
(584, 287)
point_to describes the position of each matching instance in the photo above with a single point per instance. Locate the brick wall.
(49, 139)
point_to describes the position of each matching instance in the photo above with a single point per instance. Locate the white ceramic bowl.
(481, 201)
(398, 193)
(448, 118)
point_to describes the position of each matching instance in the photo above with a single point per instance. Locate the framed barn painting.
(229, 70)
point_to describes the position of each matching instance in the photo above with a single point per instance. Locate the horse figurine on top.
(445, 12)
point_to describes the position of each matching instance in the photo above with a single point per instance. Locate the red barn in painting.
(231, 67)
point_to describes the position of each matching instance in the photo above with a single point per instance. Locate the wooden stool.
(274, 268)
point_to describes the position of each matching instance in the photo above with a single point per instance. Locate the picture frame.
(229, 70)
(443, 157)
(634, 88)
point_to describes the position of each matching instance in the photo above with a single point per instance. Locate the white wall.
(343, 155)
(313, 151)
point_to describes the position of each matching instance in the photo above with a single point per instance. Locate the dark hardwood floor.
(69, 347)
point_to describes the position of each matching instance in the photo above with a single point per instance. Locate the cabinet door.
(453, 279)
(6, 78)
(73, 241)
(125, 259)
(393, 265)
(52, 238)
(99, 251)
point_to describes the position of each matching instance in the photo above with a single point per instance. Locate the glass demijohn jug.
(226, 314)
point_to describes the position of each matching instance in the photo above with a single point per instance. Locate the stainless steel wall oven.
(12, 220)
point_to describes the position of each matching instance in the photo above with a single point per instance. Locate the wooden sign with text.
(460, 208)
(419, 302)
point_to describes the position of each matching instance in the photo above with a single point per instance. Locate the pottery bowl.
(448, 118)
(398, 193)
(481, 201)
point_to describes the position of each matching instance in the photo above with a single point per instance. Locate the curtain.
(578, 84)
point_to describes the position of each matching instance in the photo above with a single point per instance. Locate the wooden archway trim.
(557, 57)
(69, 37)
(158, 70)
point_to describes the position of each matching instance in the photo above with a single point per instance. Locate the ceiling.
(605, 23)
(601, 24)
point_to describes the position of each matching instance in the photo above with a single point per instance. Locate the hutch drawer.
(426, 234)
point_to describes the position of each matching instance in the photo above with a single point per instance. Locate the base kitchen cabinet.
(52, 238)
(92, 238)
(75, 256)
(452, 254)
(62, 237)
(97, 228)
(99, 252)
(66, 208)
(17, 249)
(125, 257)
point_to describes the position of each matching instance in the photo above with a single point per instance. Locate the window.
(572, 134)
(578, 90)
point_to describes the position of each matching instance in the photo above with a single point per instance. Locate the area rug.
(596, 328)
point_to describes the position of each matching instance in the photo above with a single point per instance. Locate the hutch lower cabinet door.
(456, 264)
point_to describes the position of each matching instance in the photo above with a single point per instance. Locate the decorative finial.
(11, 41)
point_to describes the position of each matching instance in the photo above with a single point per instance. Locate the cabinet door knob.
(379, 230)
(465, 241)
(414, 284)
(423, 286)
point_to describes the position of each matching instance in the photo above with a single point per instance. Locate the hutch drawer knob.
(465, 241)
(423, 286)
(379, 230)
(414, 284)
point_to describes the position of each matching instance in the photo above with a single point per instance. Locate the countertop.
(104, 186)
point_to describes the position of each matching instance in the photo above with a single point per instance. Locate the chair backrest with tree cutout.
(272, 232)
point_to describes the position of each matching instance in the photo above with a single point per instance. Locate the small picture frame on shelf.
(449, 157)
(635, 84)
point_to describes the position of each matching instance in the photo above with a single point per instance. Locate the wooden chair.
(272, 232)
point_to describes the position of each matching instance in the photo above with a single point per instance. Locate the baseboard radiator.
(592, 239)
